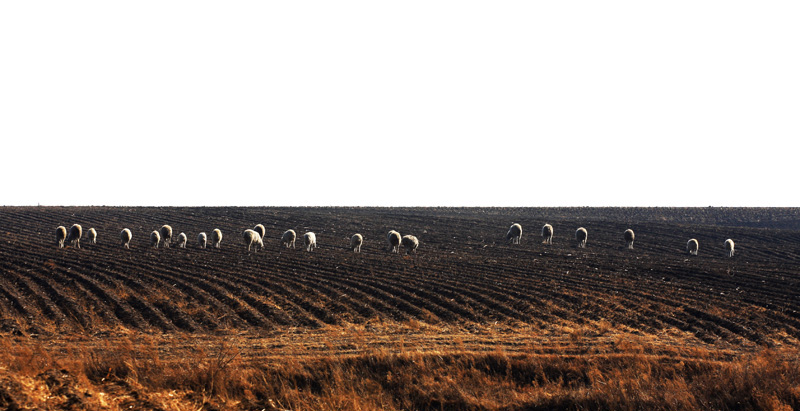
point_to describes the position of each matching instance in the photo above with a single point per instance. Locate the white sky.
(453, 103)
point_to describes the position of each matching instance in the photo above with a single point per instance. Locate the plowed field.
(468, 322)
(463, 273)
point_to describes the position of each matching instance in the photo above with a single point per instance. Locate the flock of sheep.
(514, 235)
(253, 238)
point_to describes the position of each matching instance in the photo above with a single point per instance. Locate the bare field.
(469, 322)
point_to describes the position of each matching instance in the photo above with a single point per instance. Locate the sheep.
(182, 240)
(547, 234)
(74, 237)
(92, 235)
(514, 233)
(580, 235)
(629, 236)
(355, 242)
(155, 238)
(729, 247)
(166, 234)
(202, 240)
(289, 238)
(216, 238)
(125, 235)
(61, 235)
(692, 246)
(310, 241)
(410, 243)
(259, 228)
(394, 239)
(252, 237)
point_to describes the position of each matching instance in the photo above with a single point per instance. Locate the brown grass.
(213, 374)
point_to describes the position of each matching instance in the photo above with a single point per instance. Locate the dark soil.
(463, 272)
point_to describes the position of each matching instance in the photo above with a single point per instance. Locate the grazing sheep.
(126, 236)
(166, 234)
(547, 234)
(514, 233)
(216, 238)
(155, 238)
(581, 235)
(202, 240)
(288, 238)
(259, 228)
(310, 241)
(182, 240)
(692, 246)
(394, 239)
(355, 242)
(629, 236)
(410, 243)
(74, 237)
(252, 237)
(61, 235)
(729, 247)
(92, 235)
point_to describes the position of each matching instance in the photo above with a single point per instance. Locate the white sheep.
(310, 241)
(166, 234)
(410, 243)
(514, 233)
(202, 240)
(126, 236)
(580, 236)
(74, 237)
(155, 238)
(547, 234)
(355, 242)
(692, 246)
(216, 238)
(259, 228)
(729, 247)
(251, 238)
(92, 236)
(629, 236)
(288, 238)
(182, 240)
(394, 239)
(61, 235)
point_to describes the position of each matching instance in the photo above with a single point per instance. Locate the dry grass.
(148, 372)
